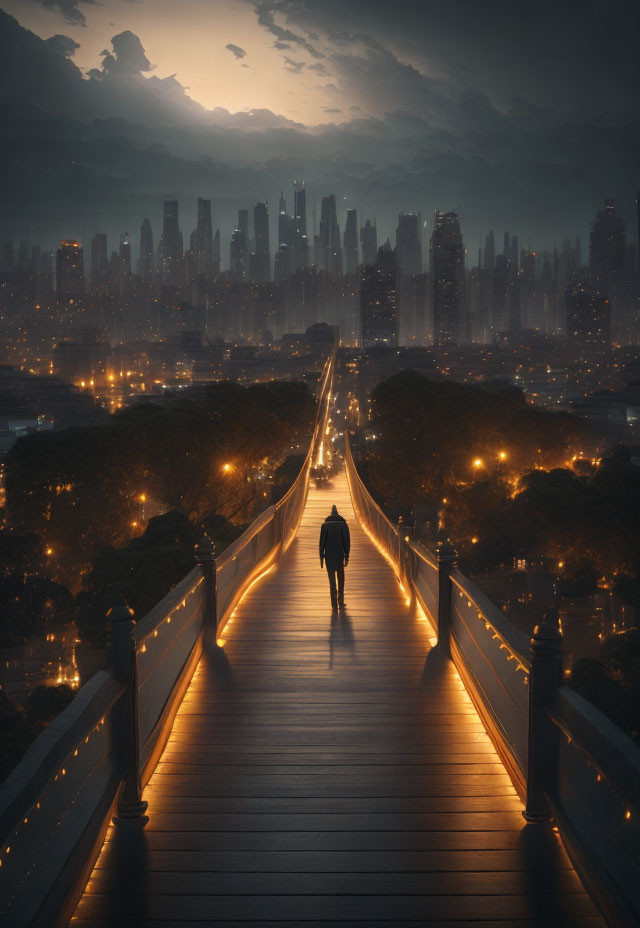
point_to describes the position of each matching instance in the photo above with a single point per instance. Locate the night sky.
(521, 116)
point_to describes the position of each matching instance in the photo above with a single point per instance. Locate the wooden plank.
(331, 770)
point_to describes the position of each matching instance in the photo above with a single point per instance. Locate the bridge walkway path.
(331, 770)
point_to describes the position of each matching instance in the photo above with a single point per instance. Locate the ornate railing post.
(204, 552)
(278, 516)
(124, 666)
(447, 559)
(544, 679)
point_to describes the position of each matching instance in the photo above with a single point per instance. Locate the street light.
(226, 468)
(502, 455)
(478, 463)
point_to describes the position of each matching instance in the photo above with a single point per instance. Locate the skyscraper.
(69, 273)
(379, 301)
(329, 235)
(99, 259)
(204, 239)
(171, 245)
(447, 269)
(216, 254)
(369, 242)
(238, 254)
(607, 242)
(408, 247)
(146, 252)
(284, 222)
(490, 252)
(588, 314)
(300, 241)
(261, 256)
(351, 250)
(125, 257)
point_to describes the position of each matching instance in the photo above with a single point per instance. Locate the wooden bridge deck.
(331, 771)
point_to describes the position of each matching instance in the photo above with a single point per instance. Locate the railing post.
(204, 552)
(124, 666)
(544, 679)
(447, 559)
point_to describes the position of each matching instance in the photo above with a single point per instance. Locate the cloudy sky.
(516, 113)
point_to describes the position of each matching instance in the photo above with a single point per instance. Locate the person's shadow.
(341, 637)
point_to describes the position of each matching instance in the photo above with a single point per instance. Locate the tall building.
(125, 256)
(261, 255)
(299, 242)
(447, 272)
(238, 254)
(146, 262)
(490, 252)
(607, 242)
(379, 300)
(204, 239)
(171, 249)
(408, 245)
(69, 273)
(329, 235)
(369, 243)
(99, 259)
(588, 314)
(216, 254)
(284, 222)
(351, 250)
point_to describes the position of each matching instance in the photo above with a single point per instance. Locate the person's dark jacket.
(335, 542)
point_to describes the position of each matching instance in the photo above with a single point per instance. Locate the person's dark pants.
(336, 594)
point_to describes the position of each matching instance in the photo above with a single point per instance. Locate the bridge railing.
(94, 759)
(565, 758)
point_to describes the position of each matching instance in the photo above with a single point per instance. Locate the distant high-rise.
(447, 268)
(588, 314)
(125, 256)
(146, 264)
(204, 239)
(490, 252)
(261, 256)
(369, 243)
(351, 250)
(171, 245)
(216, 254)
(379, 300)
(69, 272)
(607, 242)
(329, 236)
(238, 254)
(300, 243)
(284, 222)
(408, 246)
(99, 259)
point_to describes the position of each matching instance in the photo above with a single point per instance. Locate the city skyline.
(424, 124)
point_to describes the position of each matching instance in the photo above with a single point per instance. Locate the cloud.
(126, 58)
(236, 51)
(266, 10)
(62, 45)
(295, 66)
(69, 9)
(319, 68)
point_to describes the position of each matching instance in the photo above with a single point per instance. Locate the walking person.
(335, 544)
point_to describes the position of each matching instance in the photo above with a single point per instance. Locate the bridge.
(251, 757)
